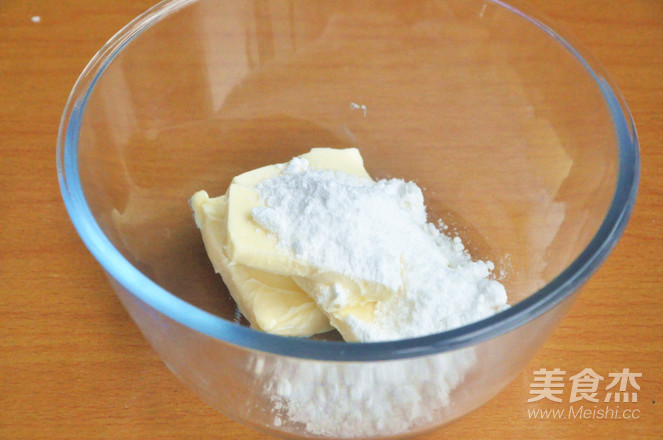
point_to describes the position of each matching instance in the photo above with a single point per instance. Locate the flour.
(378, 232)
(361, 400)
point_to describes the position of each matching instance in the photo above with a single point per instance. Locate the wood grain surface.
(73, 364)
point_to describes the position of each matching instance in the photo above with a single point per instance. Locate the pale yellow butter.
(270, 302)
(352, 304)
(251, 245)
(274, 290)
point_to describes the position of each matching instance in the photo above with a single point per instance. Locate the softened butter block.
(274, 290)
(341, 302)
(252, 246)
(270, 302)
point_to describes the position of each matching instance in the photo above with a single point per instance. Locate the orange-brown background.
(72, 363)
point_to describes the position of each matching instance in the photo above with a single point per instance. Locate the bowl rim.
(184, 313)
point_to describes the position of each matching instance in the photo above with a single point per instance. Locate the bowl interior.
(506, 131)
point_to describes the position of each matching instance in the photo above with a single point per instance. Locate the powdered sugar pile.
(378, 232)
(350, 400)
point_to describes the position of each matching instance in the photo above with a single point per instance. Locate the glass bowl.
(523, 146)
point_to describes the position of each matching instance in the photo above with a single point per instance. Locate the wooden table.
(72, 363)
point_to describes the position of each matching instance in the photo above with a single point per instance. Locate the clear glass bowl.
(521, 142)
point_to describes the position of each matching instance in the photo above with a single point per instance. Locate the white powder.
(372, 231)
(377, 231)
(352, 400)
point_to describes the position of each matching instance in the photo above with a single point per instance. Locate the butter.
(342, 302)
(251, 245)
(270, 302)
(354, 255)
(275, 291)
